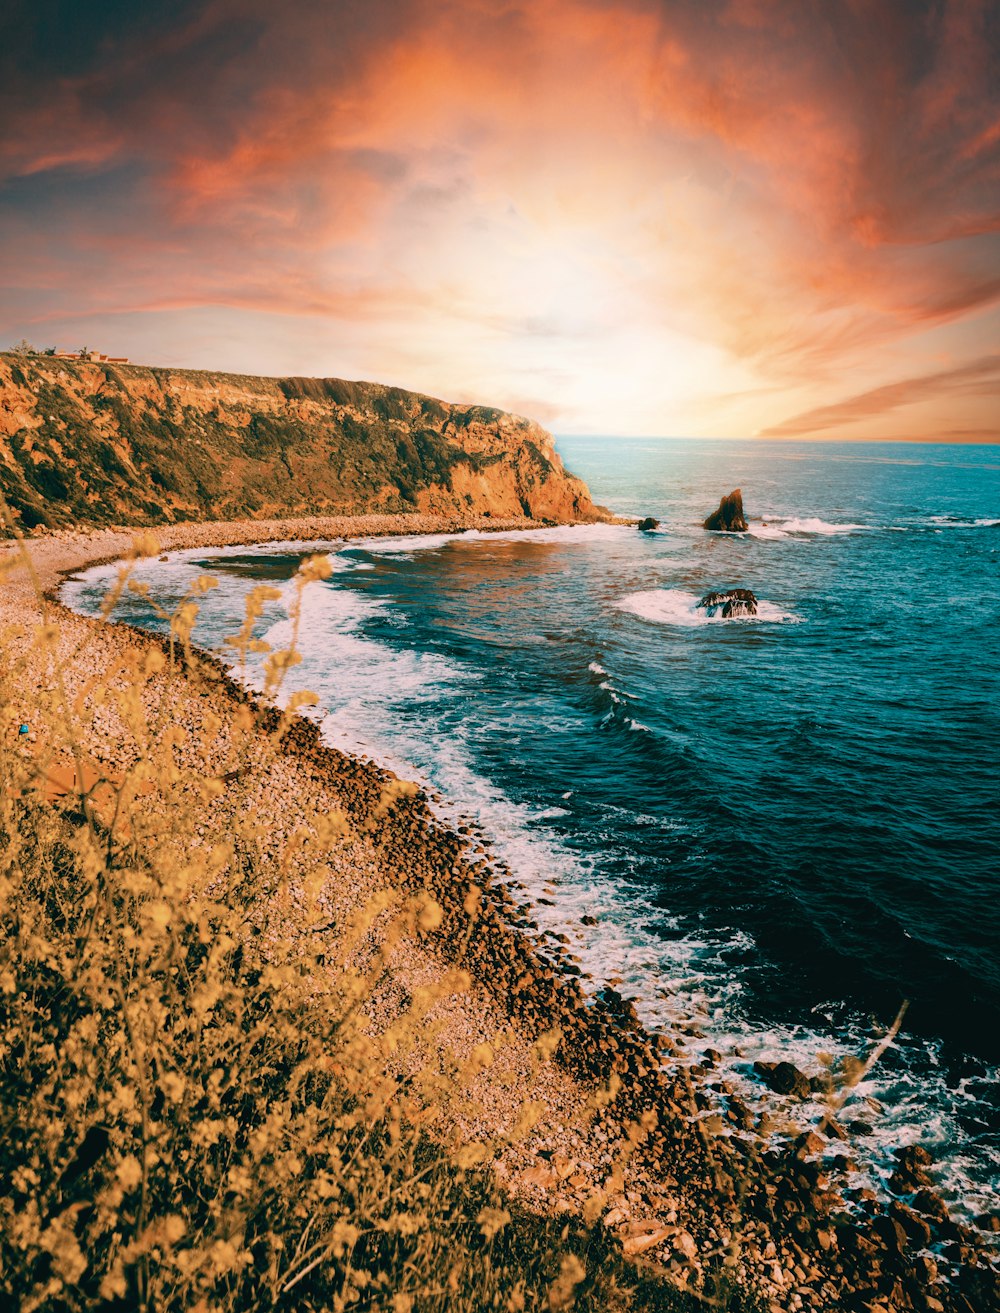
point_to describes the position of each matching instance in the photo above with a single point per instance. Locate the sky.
(718, 218)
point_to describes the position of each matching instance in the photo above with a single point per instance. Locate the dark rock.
(891, 1233)
(911, 1170)
(931, 1205)
(912, 1223)
(729, 518)
(783, 1078)
(912, 1156)
(622, 1009)
(644, 526)
(732, 602)
(809, 1143)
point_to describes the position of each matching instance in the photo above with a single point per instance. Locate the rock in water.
(733, 602)
(729, 518)
(784, 1078)
(647, 524)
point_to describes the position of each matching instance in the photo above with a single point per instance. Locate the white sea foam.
(560, 533)
(556, 534)
(676, 606)
(428, 542)
(950, 522)
(596, 668)
(360, 680)
(810, 527)
(798, 527)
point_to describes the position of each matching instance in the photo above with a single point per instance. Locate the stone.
(915, 1226)
(809, 1144)
(641, 1236)
(729, 518)
(684, 1244)
(910, 1175)
(648, 524)
(622, 1009)
(540, 1175)
(783, 1078)
(564, 1166)
(729, 603)
(931, 1205)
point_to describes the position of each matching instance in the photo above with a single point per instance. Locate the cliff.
(94, 444)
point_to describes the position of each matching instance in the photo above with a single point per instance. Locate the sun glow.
(615, 218)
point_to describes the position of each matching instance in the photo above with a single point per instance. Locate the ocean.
(784, 826)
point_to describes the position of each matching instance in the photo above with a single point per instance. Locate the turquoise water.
(784, 826)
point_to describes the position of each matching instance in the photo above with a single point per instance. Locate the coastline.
(684, 1180)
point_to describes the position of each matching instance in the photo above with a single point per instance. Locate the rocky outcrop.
(732, 602)
(648, 524)
(86, 443)
(729, 518)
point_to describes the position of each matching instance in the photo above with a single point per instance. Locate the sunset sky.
(679, 217)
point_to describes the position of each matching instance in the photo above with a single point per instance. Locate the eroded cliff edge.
(97, 444)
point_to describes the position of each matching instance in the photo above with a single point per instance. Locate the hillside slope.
(95, 444)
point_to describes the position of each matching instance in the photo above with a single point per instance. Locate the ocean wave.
(800, 528)
(358, 679)
(429, 542)
(956, 522)
(906, 1099)
(424, 542)
(559, 533)
(675, 606)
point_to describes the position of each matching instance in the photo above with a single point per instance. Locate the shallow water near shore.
(784, 826)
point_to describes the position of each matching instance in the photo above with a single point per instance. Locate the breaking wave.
(802, 528)
(675, 606)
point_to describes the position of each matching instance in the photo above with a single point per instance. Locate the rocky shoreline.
(700, 1183)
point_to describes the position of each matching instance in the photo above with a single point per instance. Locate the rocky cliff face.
(92, 444)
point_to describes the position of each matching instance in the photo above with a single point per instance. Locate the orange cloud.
(977, 379)
(679, 202)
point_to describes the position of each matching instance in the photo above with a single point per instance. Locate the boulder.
(729, 518)
(621, 1008)
(731, 602)
(783, 1078)
(648, 524)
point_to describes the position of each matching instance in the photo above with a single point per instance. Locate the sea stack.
(729, 518)
(648, 524)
